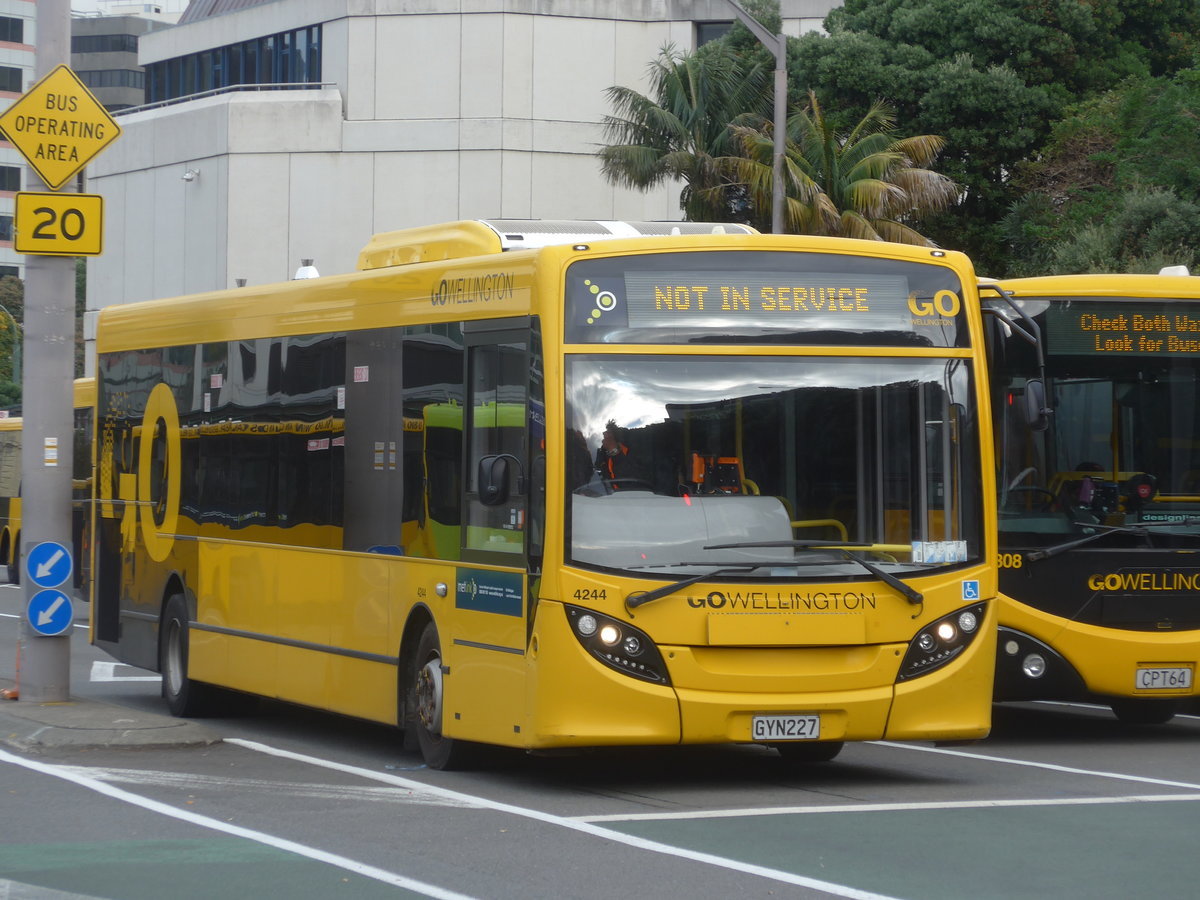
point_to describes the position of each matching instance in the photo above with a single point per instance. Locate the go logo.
(944, 303)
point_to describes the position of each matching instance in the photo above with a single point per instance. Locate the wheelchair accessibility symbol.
(970, 590)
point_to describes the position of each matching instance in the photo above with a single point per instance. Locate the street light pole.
(777, 44)
(47, 451)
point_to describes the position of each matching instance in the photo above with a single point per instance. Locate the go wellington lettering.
(1145, 581)
(941, 310)
(761, 601)
(474, 289)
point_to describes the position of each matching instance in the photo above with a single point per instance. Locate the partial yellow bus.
(1100, 511)
(10, 485)
(389, 493)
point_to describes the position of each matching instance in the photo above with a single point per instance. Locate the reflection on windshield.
(671, 457)
(1122, 450)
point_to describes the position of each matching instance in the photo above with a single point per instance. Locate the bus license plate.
(1163, 679)
(786, 728)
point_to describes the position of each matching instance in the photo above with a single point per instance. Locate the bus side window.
(496, 416)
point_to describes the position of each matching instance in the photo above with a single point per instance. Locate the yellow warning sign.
(65, 224)
(58, 126)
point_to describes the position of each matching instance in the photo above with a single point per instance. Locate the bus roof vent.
(479, 237)
(522, 234)
(1174, 270)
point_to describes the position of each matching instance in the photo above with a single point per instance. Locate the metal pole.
(47, 455)
(777, 44)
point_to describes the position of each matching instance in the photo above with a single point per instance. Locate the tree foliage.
(1071, 127)
(12, 299)
(865, 183)
(1129, 150)
(682, 128)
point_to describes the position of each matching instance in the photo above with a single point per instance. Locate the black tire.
(184, 697)
(1144, 712)
(14, 566)
(439, 751)
(810, 751)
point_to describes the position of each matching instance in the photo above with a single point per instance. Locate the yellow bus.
(1100, 510)
(10, 485)
(795, 547)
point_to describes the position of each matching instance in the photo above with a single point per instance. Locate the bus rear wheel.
(1144, 712)
(439, 751)
(184, 697)
(809, 751)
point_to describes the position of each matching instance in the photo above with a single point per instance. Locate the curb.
(88, 724)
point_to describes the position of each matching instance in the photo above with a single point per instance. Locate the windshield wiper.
(635, 599)
(1139, 529)
(911, 594)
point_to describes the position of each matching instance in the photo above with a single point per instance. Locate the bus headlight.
(939, 642)
(618, 645)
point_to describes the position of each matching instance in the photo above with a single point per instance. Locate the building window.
(6, 233)
(12, 79)
(107, 78)
(711, 31)
(10, 178)
(14, 271)
(12, 30)
(104, 43)
(290, 57)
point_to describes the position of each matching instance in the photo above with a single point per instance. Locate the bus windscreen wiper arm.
(635, 599)
(1140, 528)
(912, 595)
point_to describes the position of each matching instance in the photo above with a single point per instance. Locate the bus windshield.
(1121, 456)
(669, 457)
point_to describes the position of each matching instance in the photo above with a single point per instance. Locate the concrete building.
(17, 38)
(395, 113)
(104, 54)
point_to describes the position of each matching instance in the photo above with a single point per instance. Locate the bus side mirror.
(493, 477)
(1037, 414)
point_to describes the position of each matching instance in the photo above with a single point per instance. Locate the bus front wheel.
(809, 751)
(439, 751)
(1144, 712)
(184, 697)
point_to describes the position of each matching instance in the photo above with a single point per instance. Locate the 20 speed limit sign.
(59, 224)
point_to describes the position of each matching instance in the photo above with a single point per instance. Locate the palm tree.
(864, 184)
(681, 129)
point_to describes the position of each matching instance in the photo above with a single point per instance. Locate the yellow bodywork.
(327, 628)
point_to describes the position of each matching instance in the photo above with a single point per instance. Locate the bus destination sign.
(1104, 328)
(762, 301)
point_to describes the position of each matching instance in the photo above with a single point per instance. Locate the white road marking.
(188, 781)
(1050, 767)
(83, 625)
(103, 670)
(838, 890)
(887, 807)
(392, 878)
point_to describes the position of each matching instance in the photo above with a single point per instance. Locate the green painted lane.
(183, 870)
(1093, 852)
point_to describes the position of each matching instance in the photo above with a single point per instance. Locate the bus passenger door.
(374, 430)
(485, 648)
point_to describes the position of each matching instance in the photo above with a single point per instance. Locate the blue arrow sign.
(48, 564)
(50, 612)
